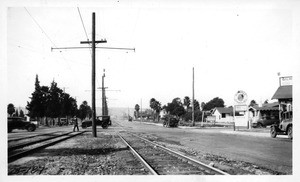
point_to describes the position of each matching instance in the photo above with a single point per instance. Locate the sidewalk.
(247, 133)
(244, 131)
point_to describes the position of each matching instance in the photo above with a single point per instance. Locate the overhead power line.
(40, 27)
(87, 37)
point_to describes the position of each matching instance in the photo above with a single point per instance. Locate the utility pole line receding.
(93, 42)
(193, 107)
(94, 127)
(103, 94)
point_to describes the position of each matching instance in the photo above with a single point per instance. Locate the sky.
(232, 45)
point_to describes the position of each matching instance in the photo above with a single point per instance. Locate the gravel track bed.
(35, 138)
(227, 165)
(162, 161)
(81, 155)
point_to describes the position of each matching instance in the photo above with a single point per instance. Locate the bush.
(188, 116)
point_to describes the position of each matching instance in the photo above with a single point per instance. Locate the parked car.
(63, 121)
(103, 121)
(19, 123)
(262, 123)
(285, 127)
(170, 121)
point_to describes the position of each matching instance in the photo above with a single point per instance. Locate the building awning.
(266, 108)
(284, 92)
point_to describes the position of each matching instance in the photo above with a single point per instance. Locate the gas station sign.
(241, 107)
(286, 80)
(240, 114)
(240, 97)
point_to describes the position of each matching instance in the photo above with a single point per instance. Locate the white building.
(223, 114)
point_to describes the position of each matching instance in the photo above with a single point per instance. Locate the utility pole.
(193, 107)
(103, 94)
(93, 71)
(93, 42)
(141, 110)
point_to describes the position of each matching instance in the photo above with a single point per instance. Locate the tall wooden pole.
(93, 42)
(93, 76)
(103, 95)
(193, 107)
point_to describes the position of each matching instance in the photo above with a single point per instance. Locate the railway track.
(160, 160)
(23, 149)
(30, 136)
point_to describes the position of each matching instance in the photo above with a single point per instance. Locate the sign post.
(240, 108)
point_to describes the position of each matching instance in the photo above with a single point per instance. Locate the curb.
(245, 133)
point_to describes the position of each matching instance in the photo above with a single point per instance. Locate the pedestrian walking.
(75, 123)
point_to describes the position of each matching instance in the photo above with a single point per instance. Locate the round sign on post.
(240, 108)
(240, 97)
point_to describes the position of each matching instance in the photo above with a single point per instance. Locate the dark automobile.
(170, 121)
(285, 127)
(262, 123)
(103, 121)
(19, 123)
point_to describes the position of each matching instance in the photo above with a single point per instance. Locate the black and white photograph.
(129, 90)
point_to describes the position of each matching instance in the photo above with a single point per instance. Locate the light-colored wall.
(219, 118)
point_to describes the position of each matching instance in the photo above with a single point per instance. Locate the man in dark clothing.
(75, 123)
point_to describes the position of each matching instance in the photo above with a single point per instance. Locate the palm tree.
(137, 109)
(187, 102)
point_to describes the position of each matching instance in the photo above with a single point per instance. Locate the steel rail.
(31, 136)
(210, 168)
(34, 142)
(26, 152)
(152, 171)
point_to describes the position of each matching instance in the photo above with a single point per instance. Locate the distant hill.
(116, 112)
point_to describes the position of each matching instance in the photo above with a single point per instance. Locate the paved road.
(275, 154)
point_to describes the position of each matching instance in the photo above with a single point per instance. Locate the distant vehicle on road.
(63, 121)
(170, 121)
(19, 123)
(103, 121)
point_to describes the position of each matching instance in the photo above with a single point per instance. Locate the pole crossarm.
(96, 41)
(93, 48)
(119, 48)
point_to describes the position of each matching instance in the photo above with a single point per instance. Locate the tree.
(36, 106)
(216, 102)
(53, 108)
(175, 108)
(188, 116)
(17, 113)
(10, 109)
(187, 102)
(68, 105)
(253, 103)
(196, 105)
(84, 110)
(22, 113)
(50, 102)
(156, 106)
(136, 112)
(202, 105)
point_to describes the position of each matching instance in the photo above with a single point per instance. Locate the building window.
(223, 115)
